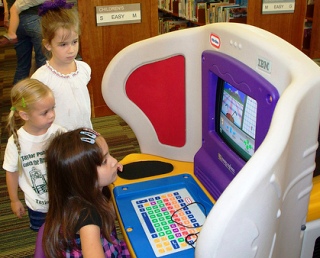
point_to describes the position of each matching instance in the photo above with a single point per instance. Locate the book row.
(206, 12)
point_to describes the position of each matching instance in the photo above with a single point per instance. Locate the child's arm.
(90, 242)
(5, 14)
(15, 10)
(22, 5)
(12, 185)
(14, 22)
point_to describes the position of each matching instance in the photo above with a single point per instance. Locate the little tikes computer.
(229, 113)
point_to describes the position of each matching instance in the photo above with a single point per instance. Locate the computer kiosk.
(238, 105)
(227, 118)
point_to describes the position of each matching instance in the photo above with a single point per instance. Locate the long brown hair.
(72, 185)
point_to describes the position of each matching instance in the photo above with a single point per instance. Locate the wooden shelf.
(99, 44)
(315, 31)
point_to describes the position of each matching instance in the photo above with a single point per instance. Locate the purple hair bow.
(52, 5)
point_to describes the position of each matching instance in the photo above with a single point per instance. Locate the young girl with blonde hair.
(24, 158)
(80, 220)
(63, 73)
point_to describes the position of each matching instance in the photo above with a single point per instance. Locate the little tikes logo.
(215, 40)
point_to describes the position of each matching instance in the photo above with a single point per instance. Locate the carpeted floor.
(16, 239)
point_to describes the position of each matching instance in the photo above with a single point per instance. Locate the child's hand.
(18, 209)
(120, 167)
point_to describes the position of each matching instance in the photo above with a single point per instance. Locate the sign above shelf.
(277, 6)
(118, 14)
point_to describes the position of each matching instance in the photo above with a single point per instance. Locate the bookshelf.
(169, 21)
(198, 13)
(288, 26)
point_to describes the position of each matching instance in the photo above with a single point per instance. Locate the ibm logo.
(264, 65)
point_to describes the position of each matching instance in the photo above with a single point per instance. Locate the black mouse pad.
(141, 169)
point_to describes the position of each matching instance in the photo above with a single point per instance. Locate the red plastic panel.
(158, 89)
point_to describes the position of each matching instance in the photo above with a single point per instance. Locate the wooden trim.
(288, 26)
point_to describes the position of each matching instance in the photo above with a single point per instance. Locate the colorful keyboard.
(171, 220)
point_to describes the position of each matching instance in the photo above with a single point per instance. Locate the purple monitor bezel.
(216, 164)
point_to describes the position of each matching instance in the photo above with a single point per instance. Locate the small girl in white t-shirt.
(24, 158)
(63, 73)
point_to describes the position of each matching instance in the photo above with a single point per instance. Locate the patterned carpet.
(16, 239)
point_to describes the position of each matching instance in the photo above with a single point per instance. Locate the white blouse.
(73, 106)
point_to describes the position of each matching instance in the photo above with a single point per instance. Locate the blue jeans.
(29, 37)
